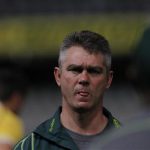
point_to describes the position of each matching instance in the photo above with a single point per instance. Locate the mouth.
(83, 93)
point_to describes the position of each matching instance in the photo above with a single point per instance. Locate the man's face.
(83, 79)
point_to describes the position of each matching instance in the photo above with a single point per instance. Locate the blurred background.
(32, 31)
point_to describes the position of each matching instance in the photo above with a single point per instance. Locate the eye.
(95, 70)
(75, 69)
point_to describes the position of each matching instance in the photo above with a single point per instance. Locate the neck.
(86, 123)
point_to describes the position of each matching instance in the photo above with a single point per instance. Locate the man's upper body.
(52, 135)
(83, 75)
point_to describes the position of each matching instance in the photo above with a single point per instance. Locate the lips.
(83, 93)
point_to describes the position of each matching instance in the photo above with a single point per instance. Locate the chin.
(82, 109)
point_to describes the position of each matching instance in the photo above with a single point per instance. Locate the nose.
(84, 78)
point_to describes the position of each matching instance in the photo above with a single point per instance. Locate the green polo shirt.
(51, 135)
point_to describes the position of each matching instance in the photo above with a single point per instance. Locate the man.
(83, 76)
(12, 92)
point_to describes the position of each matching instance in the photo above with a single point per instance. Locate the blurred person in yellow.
(13, 87)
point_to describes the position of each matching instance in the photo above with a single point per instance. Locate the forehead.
(79, 56)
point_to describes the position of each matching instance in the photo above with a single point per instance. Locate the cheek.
(67, 86)
(100, 84)
(67, 81)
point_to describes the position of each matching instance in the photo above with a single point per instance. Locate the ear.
(110, 77)
(57, 74)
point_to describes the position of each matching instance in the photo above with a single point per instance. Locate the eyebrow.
(72, 66)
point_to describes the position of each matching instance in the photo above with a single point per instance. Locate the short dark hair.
(92, 42)
(12, 81)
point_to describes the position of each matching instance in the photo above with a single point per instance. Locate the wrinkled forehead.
(79, 56)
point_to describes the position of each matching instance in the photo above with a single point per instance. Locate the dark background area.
(9, 7)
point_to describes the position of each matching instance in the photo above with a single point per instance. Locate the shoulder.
(7, 119)
(25, 143)
(9, 116)
(112, 121)
(36, 137)
(46, 131)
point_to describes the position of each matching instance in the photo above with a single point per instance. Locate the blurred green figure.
(142, 60)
